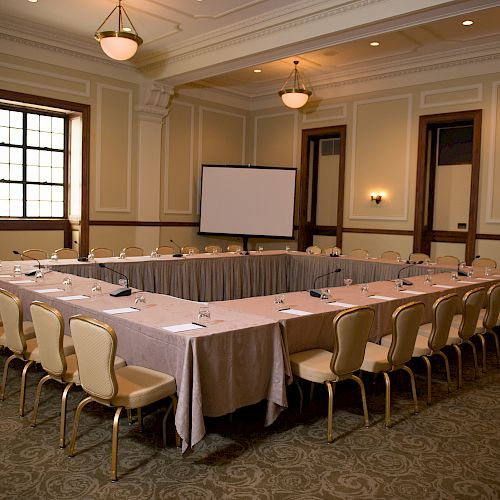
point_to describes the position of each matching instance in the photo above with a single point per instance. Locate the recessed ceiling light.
(467, 22)
(257, 71)
(33, 1)
(374, 44)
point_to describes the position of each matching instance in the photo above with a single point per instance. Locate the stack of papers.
(381, 297)
(122, 310)
(341, 304)
(74, 297)
(295, 312)
(182, 328)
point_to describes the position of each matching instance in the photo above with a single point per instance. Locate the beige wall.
(145, 162)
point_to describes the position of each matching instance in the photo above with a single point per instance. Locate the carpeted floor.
(449, 450)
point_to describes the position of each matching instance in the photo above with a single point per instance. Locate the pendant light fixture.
(121, 44)
(296, 96)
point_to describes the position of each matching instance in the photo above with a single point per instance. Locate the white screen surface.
(239, 200)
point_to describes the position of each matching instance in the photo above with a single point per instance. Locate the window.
(33, 163)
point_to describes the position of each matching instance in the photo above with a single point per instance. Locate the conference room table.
(227, 276)
(241, 355)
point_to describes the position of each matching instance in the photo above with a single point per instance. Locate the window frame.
(24, 146)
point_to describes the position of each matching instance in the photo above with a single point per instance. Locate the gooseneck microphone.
(179, 253)
(407, 282)
(119, 292)
(317, 293)
(30, 273)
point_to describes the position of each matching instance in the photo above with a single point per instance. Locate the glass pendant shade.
(297, 95)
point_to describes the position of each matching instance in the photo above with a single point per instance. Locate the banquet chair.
(464, 327)
(102, 252)
(332, 251)
(213, 249)
(34, 253)
(350, 334)
(390, 255)
(165, 250)
(484, 262)
(313, 250)
(130, 387)
(234, 248)
(381, 359)
(448, 260)
(60, 366)
(488, 320)
(426, 346)
(133, 251)
(66, 253)
(190, 249)
(19, 338)
(359, 253)
(417, 257)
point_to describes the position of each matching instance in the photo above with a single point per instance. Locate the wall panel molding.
(477, 91)
(98, 135)
(493, 155)
(166, 209)
(325, 115)
(406, 180)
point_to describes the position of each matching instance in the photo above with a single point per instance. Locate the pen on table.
(198, 324)
(284, 309)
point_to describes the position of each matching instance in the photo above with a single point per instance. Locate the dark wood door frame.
(306, 228)
(424, 234)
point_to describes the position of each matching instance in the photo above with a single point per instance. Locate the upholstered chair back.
(443, 311)
(11, 311)
(472, 303)
(492, 308)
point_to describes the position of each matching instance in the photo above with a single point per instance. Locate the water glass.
(54, 257)
(90, 257)
(122, 255)
(203, 313)
(428, 279)
(260, 248)
(154, 254)
(454, 276)
(191, 251)
(39, 274)
(17, 270)
(364, 289)
(96, 290)
(67, 282)
(325, 294)
(347, 281)
(470, 272)
(399, 258)
(487, 271)
(287, 249)
(279, 299)
(140, 299)
(398, 284)
(123, 282)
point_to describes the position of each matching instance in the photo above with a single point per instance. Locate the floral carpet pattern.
(450, 450)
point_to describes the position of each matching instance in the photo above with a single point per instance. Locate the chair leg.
(459, 365)
(301, 394)
(62, 426)
(482, 338)
(37, 398)
(363, 399)
(495, 336)
(171, 406)
(5, 373)
(329, 388)
(474, 353)
(139, 419)
(408, 370)
(76, 422)
(23, 387)
(447, 366)
(427, 362)
(387, 399)
(114, 444)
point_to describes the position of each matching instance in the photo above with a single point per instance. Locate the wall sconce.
(376, 197)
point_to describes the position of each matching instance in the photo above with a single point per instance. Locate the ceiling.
(216, 44)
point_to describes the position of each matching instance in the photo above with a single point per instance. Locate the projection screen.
(247, 200)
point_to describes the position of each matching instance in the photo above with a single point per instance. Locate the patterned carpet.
(449, 450)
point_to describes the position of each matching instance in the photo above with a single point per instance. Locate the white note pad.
(74, 297)
(381, 297)
(5, 275)
(469, 282)
(21, 282)
(482, 279)
(341, 304)
(121, 310)
(444, 286)
(295, 312)
(49, 290)
(412, 292)
(185, 327)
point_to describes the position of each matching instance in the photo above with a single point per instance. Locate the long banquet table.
(241, 356)
(227, 276)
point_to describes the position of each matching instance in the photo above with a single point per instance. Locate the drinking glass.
(122, 255)
(428, 279)
(140, 299)
(54, 257)
(260, 248)
(287, 249)
(90, 257)
(364, 289)
(454, 276)
(67, 282)
(17, 270)
(203, 313)
(325, 294)
(398, 284)
(38, 275)
(470, 272)
(347, 281)
(96, 290)
(123, 282)
(487, 270)
(191, 251)
(279, 299)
